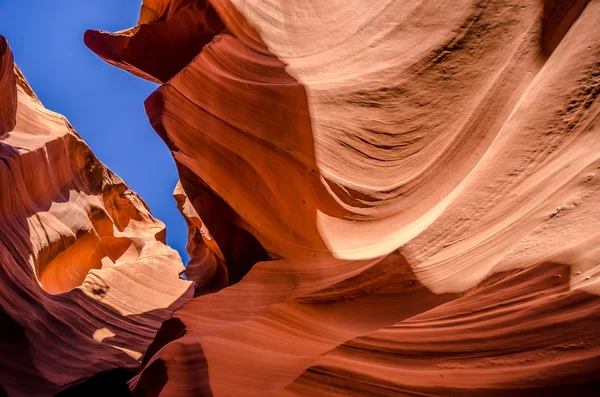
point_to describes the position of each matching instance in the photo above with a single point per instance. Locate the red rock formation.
(422, 174)
(8, 100)
(511, 336)
(460, 132)
(85, 276)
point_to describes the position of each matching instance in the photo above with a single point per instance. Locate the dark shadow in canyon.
(16, 357)
(240, 248)
(557, 18)
(107, 383)
(116, 381)
(151, 381)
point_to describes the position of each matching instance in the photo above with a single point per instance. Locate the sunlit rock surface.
(402, 198)
(422, 174)
(85, 276)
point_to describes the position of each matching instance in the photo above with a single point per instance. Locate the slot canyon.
(382, 198)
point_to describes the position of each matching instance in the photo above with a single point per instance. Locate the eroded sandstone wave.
(86, 278)
(383, 198)
(422, 174)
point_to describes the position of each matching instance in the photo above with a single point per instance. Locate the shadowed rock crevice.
(112, 382)
(239, 249)
(557, 18)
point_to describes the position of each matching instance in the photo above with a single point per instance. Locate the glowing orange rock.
(422, 174)
(86, 277)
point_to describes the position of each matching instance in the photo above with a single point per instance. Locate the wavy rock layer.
(85, 276)
(422, 175)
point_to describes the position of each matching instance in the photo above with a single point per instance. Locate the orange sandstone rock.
(8, 87)
(85, 276)
(421, 174)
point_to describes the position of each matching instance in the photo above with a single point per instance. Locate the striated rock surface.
(85, 276)
(422, 174)
(8, 87)
(403, 196)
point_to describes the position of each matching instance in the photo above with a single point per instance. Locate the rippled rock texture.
(85, 276)
(384, 198)
(423, 176)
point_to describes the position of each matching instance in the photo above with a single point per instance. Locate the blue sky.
(103, 103)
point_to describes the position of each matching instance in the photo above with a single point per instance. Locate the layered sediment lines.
(85, 276)
(422, 177)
